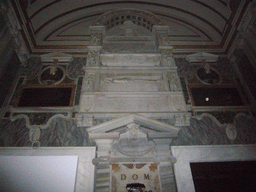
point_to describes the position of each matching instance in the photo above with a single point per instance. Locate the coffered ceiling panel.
(195, 25)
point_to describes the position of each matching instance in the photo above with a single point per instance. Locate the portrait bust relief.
(47, 78)
(210, 76)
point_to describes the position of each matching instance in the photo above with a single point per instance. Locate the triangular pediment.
(159, 128)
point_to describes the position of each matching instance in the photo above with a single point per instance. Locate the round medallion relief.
(47, 78)
(211, 77)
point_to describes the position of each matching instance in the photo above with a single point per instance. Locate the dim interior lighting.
(207, 99)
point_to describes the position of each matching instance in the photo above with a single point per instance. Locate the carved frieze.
(96, 39)
(93, 57)
(89, 83)
(135, 82)
(140, 60)
(174, 82)
(167, 58)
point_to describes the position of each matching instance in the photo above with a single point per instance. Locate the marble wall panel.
(132, 103)
(85, 168)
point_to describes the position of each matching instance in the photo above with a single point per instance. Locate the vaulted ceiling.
(194, 25)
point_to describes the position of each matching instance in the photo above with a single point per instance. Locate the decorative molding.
(130, 60)
(105, 18)
(49, 117)
(199, 57)
(187, 154)
(138, 119)
(62, 57)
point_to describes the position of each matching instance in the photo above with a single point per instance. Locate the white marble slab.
(130, 59)
(215, 153)
(84, 178)
(38, 173)
(132, 103)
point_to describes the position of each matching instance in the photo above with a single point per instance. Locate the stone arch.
(118, 17)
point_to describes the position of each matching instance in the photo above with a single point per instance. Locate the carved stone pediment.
(132, 136)
(134, 142)
(152, 125)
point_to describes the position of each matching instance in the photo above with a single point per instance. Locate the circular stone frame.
(52, 81)
(213, 72)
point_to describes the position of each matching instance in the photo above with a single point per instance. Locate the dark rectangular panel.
(216, 97)
(45, 97)
(236, 176)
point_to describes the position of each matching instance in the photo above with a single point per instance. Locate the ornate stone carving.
(95, 39)
(37, 119)
(173, 81)
(34, 136)
(151, 18)
(163, 39)
(178, 103)
(231, 131)
(87, 103)
(89, 84)
(93, 58)
(75, 67)
(134, 142)
(47, 78)
(135, 82)
(167, 57)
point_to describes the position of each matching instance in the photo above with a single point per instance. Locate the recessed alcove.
(216, 96)
(46, 97)
(224, 176)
